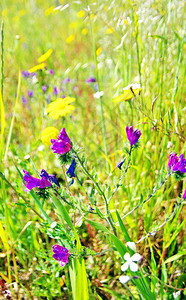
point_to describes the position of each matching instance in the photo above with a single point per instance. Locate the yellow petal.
(37, 67)
(49, 133)
(45, 56)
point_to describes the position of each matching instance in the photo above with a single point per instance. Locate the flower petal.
(124, 267)
(136, 257)
(124, 279)
(127, 256)
(133, 267)
(132, 246)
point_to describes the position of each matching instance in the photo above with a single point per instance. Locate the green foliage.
(141, 42)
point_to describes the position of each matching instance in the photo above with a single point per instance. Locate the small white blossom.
(169, 144)
(130, 262)
(132, 246)
(98, 94)
(34, 79)
(134, 86)
(124, 279)
(176, 294)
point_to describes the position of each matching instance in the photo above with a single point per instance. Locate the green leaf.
(175, 257)
(123, 229)
(121, 248)
(62, 210)
(98, 226)
(99, 213)
(154, 280)
(175, 234)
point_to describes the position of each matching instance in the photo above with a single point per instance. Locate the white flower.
(130, 262)
(98, 94)
(176, 294)
(134, 86)
(124, 279)
(132, 246)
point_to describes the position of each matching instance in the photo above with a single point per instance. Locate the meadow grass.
(137, 42)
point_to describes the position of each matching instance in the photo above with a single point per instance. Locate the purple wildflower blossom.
(25, 74)
(90, 79)
(24, 100)
(32, 182)
(177, 163)
(51, 72)
(48, 98)
(63, 136)
(62, 144)
(55, 90)
(120, 164)
(61, 254)
(51, 178)
(44, 88)
(184, 195)
(30, 93)
(71, 170)
(133, 135)
(66, 80)
(60, 147)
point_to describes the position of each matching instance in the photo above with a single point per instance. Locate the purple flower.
(51, 178)
(60, 147)
(90, 79)
(133, 135)
(71, 170)
(48, 98)
(61, 254)
(184, 195)
(25, 74)
(63, 136)
(30, 94)
(24, 100)
(51, 72)
(55, 90)
(44, 88)
(62, 144)
(32, 182)
(120, 164)
(66, 80)
(177, 163)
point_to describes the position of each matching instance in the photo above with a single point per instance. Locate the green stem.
(100, 191)
(148, 198)
(122, 177)
(25, 200)
(2, 57)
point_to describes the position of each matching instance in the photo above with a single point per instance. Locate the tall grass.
(145, 45)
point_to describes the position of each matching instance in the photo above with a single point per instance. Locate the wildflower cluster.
(62, 146)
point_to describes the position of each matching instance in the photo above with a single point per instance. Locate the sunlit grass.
(119, 43)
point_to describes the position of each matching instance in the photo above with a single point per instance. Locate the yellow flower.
(37, 67)
(60, 107)
(109, 30)
(69, 39)
(22, 12)
(125, 22)
(49, 10)
(80, 14)
(84, 31)
(4, 12)
(45, 56)
(128, 93)
(73, 25)
(98, 51)
(16, 18)
(49, 133)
